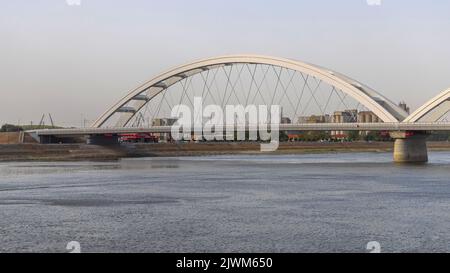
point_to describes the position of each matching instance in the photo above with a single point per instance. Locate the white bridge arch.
(386, 110)
(433, 110)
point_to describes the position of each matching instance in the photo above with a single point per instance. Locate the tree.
(283, 136)
(353, 135)
(10, 128)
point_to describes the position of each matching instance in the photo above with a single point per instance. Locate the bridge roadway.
(397, 126)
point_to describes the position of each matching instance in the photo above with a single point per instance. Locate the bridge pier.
(410, 146)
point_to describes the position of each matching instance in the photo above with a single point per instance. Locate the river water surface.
(286, 203)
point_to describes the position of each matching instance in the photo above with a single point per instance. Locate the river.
(240, 203)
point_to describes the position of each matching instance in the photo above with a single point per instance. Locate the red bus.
(139, 138)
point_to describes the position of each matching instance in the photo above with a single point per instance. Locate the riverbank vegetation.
(6, 128)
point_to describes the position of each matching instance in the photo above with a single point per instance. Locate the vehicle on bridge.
(138, 138)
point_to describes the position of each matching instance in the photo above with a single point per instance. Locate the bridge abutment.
(410, 147)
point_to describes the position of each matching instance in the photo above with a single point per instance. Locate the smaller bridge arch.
(433, 110)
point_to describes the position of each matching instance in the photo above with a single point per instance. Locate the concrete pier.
(410, 147)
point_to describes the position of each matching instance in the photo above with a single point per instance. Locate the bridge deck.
(283, 127)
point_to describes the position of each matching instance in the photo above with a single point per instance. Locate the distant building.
(404, 106)
(367, 117)
(302, 120)
(293, 135)
(315, 119)
(347, 116)
(286, 120)
(163, 122)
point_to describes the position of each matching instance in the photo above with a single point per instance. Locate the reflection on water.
(241, 203)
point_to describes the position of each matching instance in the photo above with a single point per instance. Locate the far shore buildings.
(286, 120)
(315, 119)
(346, 116)
(352, 116)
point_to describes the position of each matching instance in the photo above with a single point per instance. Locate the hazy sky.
(75, 61)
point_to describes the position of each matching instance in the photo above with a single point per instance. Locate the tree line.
(15, 128)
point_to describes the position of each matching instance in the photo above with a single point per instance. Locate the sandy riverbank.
(82, 152)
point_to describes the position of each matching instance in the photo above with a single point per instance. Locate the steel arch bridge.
(410, 131)
(130, 105)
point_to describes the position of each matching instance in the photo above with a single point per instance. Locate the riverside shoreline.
(84, 152)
